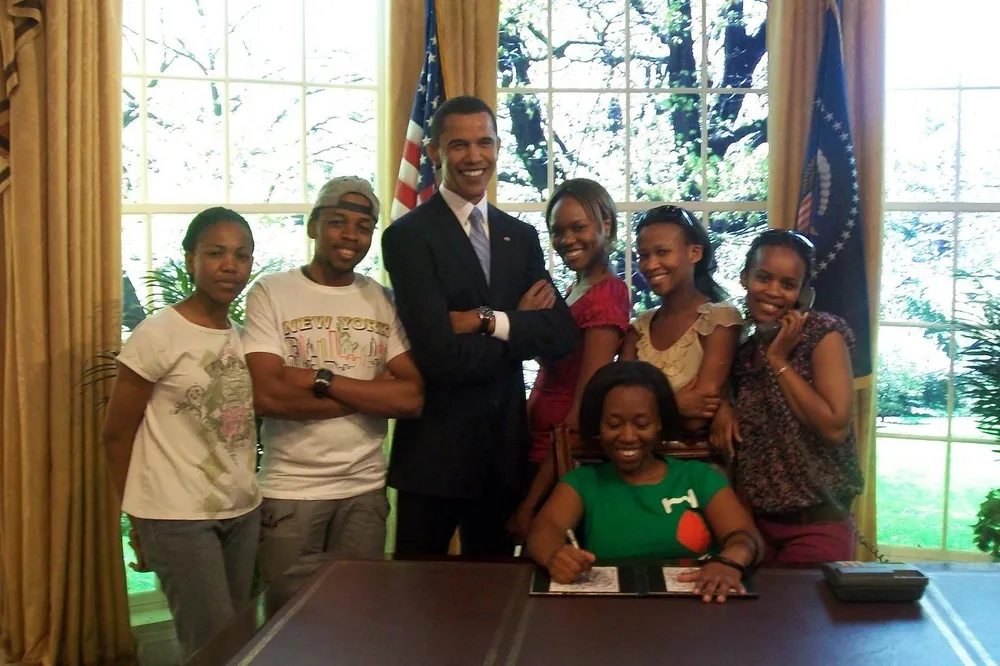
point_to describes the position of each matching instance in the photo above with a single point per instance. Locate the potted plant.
(981, 383)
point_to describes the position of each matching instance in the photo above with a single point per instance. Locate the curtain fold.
(63, 598)
(795, 33)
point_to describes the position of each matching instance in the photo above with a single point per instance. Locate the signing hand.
(569, 563)
(725, 431)
(540, 296)
(789, 336)
(714, 579)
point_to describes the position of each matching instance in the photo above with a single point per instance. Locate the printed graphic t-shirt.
(195, 451)
(663, 520)
(353, 331)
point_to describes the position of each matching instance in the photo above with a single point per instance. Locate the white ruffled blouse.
(681, 361)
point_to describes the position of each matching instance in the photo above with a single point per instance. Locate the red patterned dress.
(605, 303)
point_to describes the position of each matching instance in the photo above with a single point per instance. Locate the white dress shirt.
(462, 208)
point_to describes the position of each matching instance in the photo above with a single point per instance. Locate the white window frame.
(628, 207)
(151, 606)
(957, 208)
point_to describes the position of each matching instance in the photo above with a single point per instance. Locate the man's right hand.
(541, 296)
(568, 563)
(133, 541)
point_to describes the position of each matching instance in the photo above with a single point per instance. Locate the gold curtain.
(63, 597)
(794, 41)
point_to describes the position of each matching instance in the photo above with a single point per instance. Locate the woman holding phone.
(790, 422)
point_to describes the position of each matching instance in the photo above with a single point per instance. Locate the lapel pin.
(506, 238)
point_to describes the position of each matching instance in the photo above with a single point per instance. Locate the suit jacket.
(472, 437)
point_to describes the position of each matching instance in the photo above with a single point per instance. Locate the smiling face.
(343, 236)
(666, 259)
(221, 261)
(630, 427)
(773, 282)
(467, 154)
(579, 240)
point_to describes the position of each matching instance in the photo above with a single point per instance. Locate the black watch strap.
(324, 377)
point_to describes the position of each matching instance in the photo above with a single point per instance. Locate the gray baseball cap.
(331, 193)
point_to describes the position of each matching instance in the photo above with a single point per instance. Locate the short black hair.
(592, 196)
(695, 234)
(793, 240)
(463, 105)
(628, 373)
(206, 219)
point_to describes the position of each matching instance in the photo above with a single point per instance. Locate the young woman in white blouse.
(692, 336)
(181, 439)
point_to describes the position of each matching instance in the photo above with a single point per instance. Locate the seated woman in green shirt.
(639, 504)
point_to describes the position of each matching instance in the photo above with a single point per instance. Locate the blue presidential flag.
(829, 205)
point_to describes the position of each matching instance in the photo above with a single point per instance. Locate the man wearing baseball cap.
(330, 365)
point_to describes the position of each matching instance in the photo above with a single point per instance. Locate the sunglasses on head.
(668, 214)
(797, 237)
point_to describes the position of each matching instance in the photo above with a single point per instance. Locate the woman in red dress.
(582, 222)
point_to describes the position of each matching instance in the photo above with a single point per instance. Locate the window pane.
(184, 38)
(588, 43)
(666, 147)
(978, 21)
(731, 234)
(964, 423)
(341, 41)
(131, 140)
(736, 43)
(913, 367)
(280, 242)
(131, 40)
(340, 136)
(980, 163)
(184, 141)
(523, 55)
(265, 135)
(264, 40)
(921, 130)
(522, 166)
(134, 253)
(665, 44)
(589, 138)
(737, 147)
(917, 263)
(910, 489)
(973, 474)
(978, 269)
(913, 59)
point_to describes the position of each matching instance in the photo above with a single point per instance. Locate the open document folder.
(636, 580)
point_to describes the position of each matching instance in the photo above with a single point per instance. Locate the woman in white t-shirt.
(181, 439)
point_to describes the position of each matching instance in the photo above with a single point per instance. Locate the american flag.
(416, 183)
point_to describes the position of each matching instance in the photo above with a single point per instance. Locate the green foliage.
(987, 528)
(907, 389)
(981, 384)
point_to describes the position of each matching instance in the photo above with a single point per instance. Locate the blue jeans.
(205, 568)
(295, 529)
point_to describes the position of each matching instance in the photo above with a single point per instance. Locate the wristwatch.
(324, 377)
(485, 314)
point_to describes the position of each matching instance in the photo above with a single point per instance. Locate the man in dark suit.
(475, 299)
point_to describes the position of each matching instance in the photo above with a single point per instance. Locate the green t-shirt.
(664, 520)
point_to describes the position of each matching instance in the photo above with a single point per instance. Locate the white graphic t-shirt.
(353, 331)
(195, 451)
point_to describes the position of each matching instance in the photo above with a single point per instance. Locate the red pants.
(807, 544)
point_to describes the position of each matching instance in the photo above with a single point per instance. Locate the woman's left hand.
(789, 336)
(714, 579)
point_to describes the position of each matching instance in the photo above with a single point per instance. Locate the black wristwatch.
(324, 377)
(486, 315)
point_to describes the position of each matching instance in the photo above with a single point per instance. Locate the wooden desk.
(468, 613)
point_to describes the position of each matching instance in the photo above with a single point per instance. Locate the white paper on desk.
(603, 580)
(670, 575)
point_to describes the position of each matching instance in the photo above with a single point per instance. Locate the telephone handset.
(768, 330)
